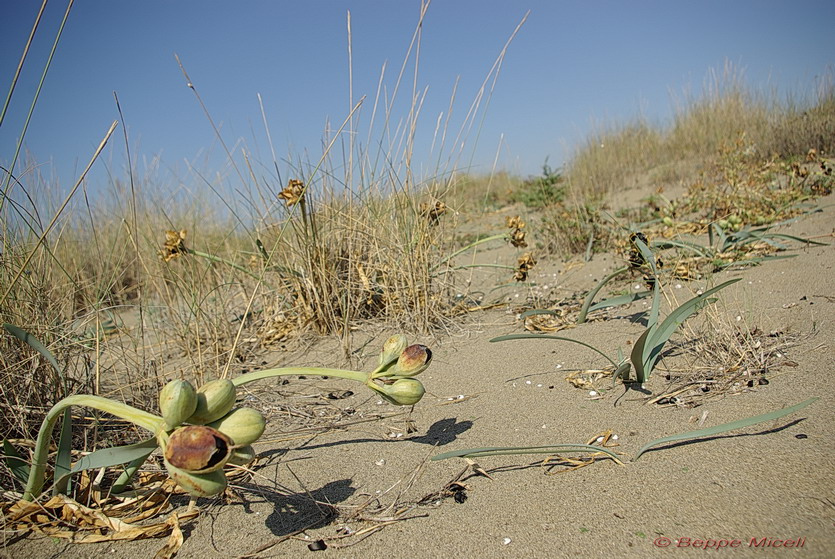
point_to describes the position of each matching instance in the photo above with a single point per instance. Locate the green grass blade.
(792, 238)
(637, 357)
(121, 483)
(15, 462)
(721, 237)
(547, 337)
(619, 300)
(63, 457)
(581, 318)
(755, 261)
(514, 450)
(468, 247)
(35, 344)
(693, 247)
(108, 457)
(724, 427)
(647, 254)
(655, 310)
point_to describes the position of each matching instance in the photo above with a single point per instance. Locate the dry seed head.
(524, 263)
(412, 361)
(433, 213)
(514, 222)
(174, 245)
(292, 193)
(198, 449)
(517, 239)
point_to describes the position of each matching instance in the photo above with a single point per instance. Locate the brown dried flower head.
(517, 239)
(517, 236)
(293, 193)
(514, 222)
(525, 263)
(174, 245)
(433, 213)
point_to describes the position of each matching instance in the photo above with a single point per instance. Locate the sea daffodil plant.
(200, 431)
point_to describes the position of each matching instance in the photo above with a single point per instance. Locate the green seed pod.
(403, 392)
(198, 485)
(242, 425)
(412, 361)
(242, 455)
(392, 348)
(668, 221)
(177, 402)
(198, 449)
(214, 400)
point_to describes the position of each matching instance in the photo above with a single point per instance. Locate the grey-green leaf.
(513, 450)
(725, 427)
(15, 462)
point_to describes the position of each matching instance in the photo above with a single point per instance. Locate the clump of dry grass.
(738, 141)
(725, 357)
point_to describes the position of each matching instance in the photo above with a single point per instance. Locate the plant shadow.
(440, 433)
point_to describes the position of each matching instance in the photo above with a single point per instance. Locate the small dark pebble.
(302, 377)
(551, 387)
(705, 389)
(763, 380)
(750, 383)
(801, 436)
(285, 381)
(263, 362)
(318, 545)
(664, 401)
(460, 497)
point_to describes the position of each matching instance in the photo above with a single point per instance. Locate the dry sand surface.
(774, 480)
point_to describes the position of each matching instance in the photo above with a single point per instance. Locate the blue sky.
(573, 64)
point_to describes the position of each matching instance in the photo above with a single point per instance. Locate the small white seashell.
(506, 541)
(592, 393)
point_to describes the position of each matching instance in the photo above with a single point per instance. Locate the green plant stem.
(469, 246)
(213, 258)
(581, 318)
(319, 371)
(141, 418)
